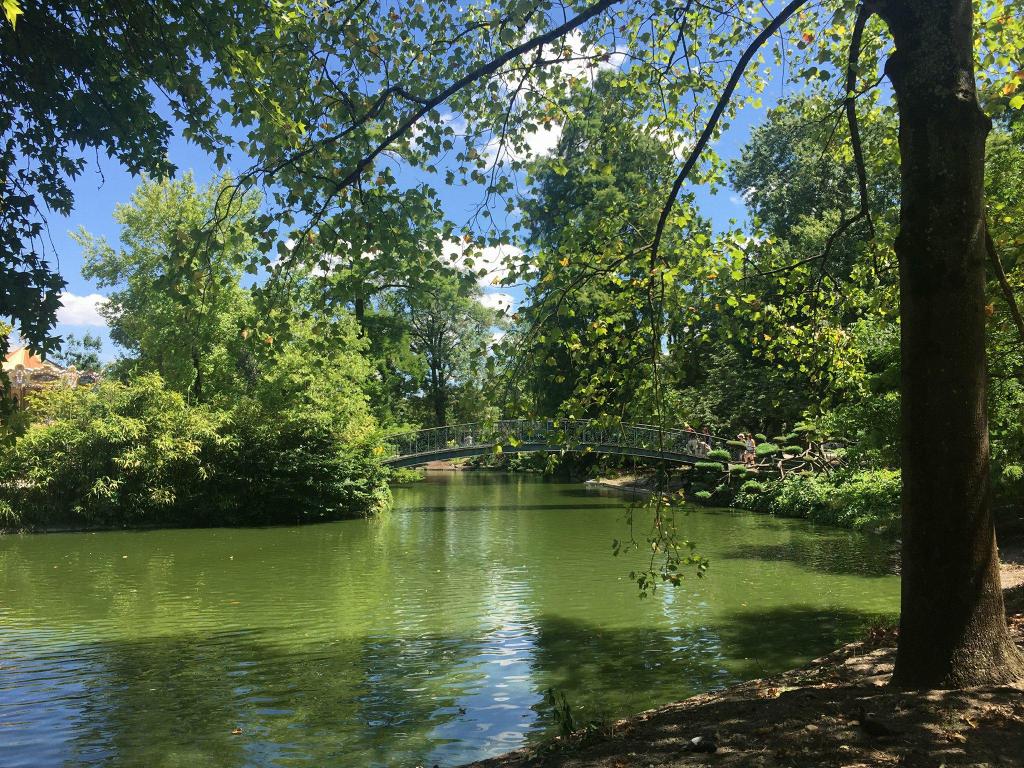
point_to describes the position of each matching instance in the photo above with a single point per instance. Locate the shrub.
(802, 496)
(863, 500)
(736, 443)
(766, 449)
(710, 466)
(703, 495)
(754, 495)
(760, 437)
(112, 455)
(8, 519)
(752, 486)
(870, 500)
(293, 468)
(719, 454)
(137, 455)
(792, 449)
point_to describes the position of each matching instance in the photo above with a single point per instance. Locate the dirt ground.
(809, 717)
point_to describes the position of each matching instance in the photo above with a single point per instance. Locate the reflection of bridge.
(551, 436)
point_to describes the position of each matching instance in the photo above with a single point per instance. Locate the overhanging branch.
(723, 101)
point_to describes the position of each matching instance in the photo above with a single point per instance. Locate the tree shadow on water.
(781, 638)
(384, 700)
(834, 554)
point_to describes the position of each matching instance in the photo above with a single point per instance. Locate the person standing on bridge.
(750, 454)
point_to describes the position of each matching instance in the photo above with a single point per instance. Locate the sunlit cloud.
(81, 310)
(500, 302)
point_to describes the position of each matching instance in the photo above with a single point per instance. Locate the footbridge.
(678, 446)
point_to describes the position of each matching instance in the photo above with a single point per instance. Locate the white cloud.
(582, 63)
(538, 144)
(492, 261)
(81, 310)
(502, 302)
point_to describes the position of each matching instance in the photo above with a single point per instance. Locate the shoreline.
(809, 717)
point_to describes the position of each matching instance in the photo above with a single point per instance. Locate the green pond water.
(427, 637)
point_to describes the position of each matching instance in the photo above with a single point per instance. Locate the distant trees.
(451, 330)
(83, 353)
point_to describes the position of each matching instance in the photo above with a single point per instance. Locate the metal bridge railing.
(567, 434)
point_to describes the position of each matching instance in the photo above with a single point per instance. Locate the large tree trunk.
(953, 627)
(439, 396)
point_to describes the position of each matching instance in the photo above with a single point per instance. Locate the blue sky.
(105, 184)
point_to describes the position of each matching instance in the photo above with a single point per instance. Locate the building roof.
(22, 356)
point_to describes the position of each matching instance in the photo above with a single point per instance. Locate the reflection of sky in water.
(426, 637)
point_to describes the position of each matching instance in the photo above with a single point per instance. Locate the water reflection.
(428, 637)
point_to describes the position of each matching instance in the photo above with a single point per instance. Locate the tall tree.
(177, 297)
(952, 625)
(451, 331)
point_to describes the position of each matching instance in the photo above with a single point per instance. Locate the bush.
(752, 486)
(110, 456)
(8, 520)
(292, 468)
(870, 500)
(792, 449)
(719, 454)
(703, 495)
(135, 455)
(710, 466)
(863, 500)
(753, 495)
(766, 449)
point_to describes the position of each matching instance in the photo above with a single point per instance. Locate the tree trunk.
(953, 626)
(197, 384)
(360, 306)
(440, 397)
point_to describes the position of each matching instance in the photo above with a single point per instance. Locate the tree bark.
(952, 627)
(197, 384)
(439, 396)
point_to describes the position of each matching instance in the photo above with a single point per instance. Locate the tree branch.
(1004, 284)
(863, 14)
(426, 104)
(773, 26)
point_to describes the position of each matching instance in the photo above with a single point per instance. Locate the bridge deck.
(550, 436)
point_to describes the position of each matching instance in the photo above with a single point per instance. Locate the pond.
(429, 636)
